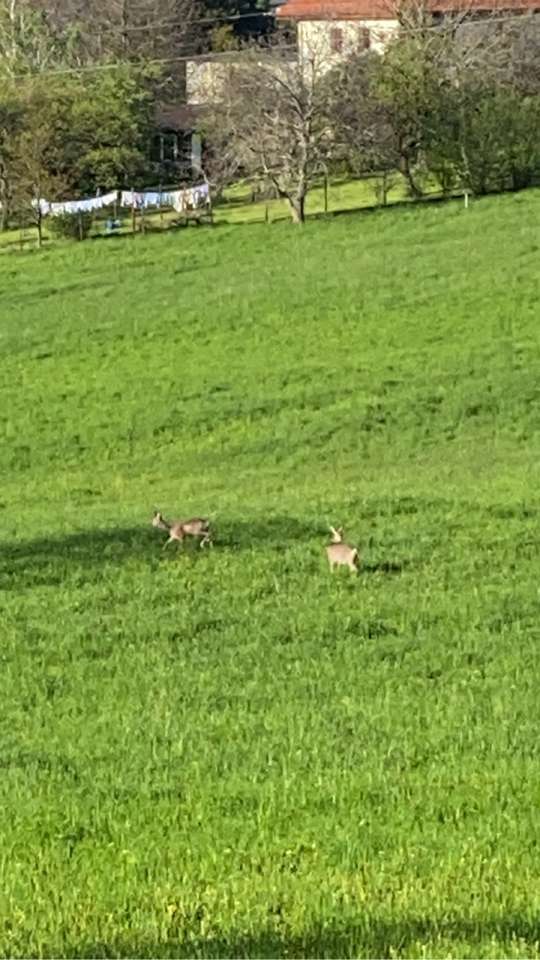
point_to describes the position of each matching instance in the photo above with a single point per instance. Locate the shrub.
(73, 226)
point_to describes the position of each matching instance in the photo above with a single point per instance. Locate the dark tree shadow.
(387, 567)
(368, 939)
(50, 561)
(43, 293)
(275, 531)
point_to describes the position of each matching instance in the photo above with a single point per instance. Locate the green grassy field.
(232, 752)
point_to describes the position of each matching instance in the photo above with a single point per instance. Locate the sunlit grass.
(232, 752)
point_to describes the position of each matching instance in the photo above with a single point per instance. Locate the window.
(171, 150)
(364, 38)
(336, 40)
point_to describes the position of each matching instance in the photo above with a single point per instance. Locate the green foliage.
(111, 122)
(407, 85)
(72, 226)
(461, 109)
(10, 123)
(231, 752)
(223, 38)
(59, 138)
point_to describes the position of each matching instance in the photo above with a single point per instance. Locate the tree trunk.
(405, 169)
(5, 201)
(4, 211)
(384, 189)
(297, 206)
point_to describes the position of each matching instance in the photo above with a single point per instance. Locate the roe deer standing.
(341, 554)
(197, 527)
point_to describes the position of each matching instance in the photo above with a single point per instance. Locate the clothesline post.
(133, 215)
(39, 225)
(161, 206)
(80, 226)
(210, 206)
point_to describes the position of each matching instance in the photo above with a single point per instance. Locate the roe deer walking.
(197, 527)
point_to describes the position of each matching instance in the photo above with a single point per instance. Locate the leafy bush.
(73, 226)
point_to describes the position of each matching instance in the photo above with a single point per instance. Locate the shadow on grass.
(52, 561)
(43, 293)
(387, 567)
(457, 936)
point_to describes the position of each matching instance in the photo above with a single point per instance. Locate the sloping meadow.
(232, 752)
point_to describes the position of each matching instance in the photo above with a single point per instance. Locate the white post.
(196, 154)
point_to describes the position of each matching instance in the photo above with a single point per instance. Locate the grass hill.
(232, 752)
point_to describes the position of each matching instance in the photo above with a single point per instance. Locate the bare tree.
(29, 41)
(364, 137)
(277, 115)
(95, 30)
(128, 28)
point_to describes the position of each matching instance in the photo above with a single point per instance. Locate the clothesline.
(189, 198)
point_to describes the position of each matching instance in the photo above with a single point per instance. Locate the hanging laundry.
(176, 200)
(182, 200)
(43, 206)
(58, 209)
(188, 198)
(86, 206)
(109, 198)
(201, 195)
(151, 198)
(140, 199)
(70, 207)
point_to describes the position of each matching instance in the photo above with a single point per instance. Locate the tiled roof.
(337, 10)
(386, 9)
